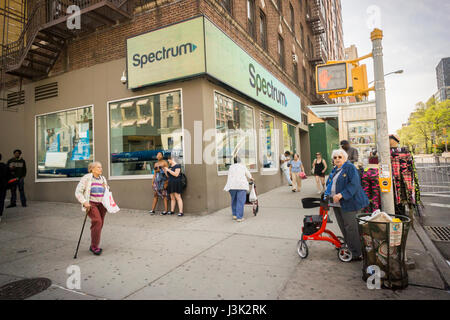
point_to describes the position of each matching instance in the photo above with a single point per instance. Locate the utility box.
(324, 139)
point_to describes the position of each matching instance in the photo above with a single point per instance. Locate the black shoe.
(11, 206)
(96, 252)
(24, 205)
(170, 212)
(181, 214)
(164, 213)
(152, 212)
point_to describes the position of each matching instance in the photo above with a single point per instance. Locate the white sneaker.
(240, 220)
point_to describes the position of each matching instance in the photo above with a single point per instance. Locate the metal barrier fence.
(434, 175)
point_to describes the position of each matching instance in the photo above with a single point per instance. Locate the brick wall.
(109, 43)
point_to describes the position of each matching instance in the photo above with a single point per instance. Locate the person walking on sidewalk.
(174, 188)
(319, 168)
(89, 193)
(18, 169)
(284, 160)
(351, 152)
(296, 167)
(4, 175)
(237, 186)
(347, 198)
(160, 183)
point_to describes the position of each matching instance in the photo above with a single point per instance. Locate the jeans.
(21, 186)
(287, 175)
(237, 202)
(349, 227)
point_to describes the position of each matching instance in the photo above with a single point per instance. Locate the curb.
(438, 260)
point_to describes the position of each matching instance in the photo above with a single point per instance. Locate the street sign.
(331, 78)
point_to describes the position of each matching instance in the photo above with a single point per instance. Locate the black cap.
(344, 142)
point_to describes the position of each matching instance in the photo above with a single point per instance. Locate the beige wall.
(101, 83)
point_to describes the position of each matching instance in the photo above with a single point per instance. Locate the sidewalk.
(194, 257)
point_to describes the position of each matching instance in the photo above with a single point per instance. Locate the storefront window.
(289, 138)
(361, 135)
(140, 128)
(235, 133)
(268, 142)
(64, 143)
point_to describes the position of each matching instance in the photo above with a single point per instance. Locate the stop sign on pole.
(331, 78)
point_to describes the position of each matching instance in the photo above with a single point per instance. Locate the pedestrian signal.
(359, 79)
(331, 78)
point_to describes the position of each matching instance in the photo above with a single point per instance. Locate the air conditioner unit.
(295, 58)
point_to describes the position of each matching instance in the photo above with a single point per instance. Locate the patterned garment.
(159, 190)
(97, 190)
(403, 175)
(371, 187)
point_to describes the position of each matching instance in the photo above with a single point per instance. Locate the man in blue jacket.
(347, 198)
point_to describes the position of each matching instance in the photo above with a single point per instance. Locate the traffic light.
(359, 77)
(331, 77)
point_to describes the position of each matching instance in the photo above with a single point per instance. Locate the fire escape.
(319, 55)
(48, 25)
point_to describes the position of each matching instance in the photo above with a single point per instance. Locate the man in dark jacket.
(352, 152)
(18, 169)
(4, 174)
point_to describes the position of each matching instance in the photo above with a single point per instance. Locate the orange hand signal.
(324, 78)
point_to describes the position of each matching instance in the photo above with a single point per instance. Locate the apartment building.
(119, 80)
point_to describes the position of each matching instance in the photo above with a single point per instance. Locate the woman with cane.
(89, 193)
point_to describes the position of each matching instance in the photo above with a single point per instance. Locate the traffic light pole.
(383, 148)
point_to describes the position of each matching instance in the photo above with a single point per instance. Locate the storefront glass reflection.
(268, 142)
(64, 143)
(140, 128)
(235, 133)
(289, 138)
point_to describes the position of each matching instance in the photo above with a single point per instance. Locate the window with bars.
(279, 5)
(295, 72)
(263, 29)
(305, 82)
(281, 51)
(302, 36)
(251, 17)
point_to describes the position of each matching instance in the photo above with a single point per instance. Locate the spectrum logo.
(265, 87)
(163, 54)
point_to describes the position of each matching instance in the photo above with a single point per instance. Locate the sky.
(416, 37)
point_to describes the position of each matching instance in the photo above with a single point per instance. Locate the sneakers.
(181, 214)
(96, 251)
(234, 217)
(240, 220)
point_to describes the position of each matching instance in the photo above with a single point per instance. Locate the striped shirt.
(97, 190)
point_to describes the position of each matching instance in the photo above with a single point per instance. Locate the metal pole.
(387, 198)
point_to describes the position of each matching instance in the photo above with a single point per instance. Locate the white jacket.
(83, 190)
(237, 177)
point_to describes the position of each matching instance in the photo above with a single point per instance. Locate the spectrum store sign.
(197, 46)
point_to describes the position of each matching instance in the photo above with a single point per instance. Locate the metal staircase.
(47, 31)
(316, 22)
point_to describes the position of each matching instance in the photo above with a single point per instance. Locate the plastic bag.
(252, 197)
(109, 203)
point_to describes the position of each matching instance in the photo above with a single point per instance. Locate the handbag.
(109, 203)
(302, 175)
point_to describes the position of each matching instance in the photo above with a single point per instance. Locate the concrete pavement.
(194, 257)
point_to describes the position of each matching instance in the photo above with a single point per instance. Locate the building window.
(64, 143)
(289, 138)
(295, 72)
(280, 6)
(269, 142)
(251, 17)
(235, 133)
(300, 5)
(141, 127)
(302, 36)
(292, 17)
(281, 51)
(305, 82)
(263, 29)
(227, 4)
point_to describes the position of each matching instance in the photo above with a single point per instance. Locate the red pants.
(97, 214)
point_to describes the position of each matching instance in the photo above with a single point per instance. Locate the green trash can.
(383, 244)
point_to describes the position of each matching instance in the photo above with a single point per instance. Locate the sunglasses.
(338, 157)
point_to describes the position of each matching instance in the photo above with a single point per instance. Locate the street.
(194, 257)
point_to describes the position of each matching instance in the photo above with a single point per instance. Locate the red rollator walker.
(314, 226)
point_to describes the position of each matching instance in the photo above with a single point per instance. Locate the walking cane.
(82, 229)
